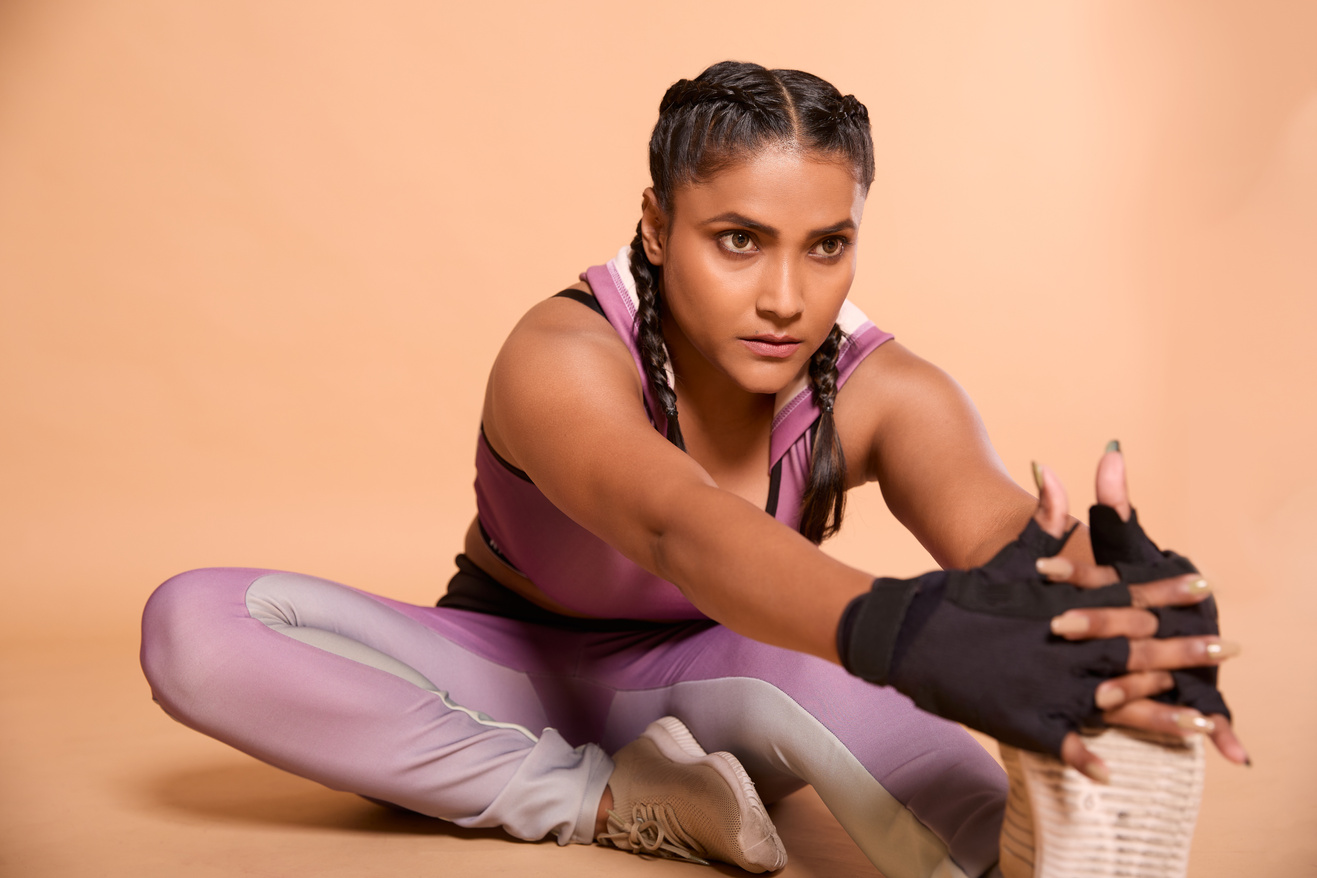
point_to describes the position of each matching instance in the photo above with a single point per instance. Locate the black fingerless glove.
(1125, 546)
(975, 646)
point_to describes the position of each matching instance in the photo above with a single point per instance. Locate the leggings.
(488, 721)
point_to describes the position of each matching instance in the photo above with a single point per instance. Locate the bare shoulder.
(917, 433)
(893, 396)
(561, 358)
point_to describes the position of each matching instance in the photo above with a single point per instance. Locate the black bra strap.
(584, 298)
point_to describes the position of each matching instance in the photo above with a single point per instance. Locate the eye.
(737, 242)
(831, 248)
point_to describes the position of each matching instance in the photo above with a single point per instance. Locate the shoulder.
(560, 355)
(895, 397)
(560, 329)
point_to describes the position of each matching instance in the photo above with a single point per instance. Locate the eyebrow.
(845, 225)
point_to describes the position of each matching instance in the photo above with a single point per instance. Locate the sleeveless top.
(578, 569)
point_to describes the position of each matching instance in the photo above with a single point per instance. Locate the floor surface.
(99, 782)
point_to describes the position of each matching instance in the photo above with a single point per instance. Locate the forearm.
(753, 574)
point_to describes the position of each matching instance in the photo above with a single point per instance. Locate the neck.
(722, 422)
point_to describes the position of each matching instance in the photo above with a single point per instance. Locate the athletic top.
(579, 570)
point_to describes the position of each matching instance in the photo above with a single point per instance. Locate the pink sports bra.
(582, 572)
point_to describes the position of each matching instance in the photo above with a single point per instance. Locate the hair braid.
(653, 349)
(725, 115)
(825, 496)
(685, 92)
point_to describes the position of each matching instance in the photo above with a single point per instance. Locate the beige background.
(256, 257)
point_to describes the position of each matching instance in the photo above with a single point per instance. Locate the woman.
(663, 446)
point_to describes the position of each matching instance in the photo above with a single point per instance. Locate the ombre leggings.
(488, 721)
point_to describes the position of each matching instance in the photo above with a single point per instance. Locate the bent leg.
(344, 688)
(917, 793)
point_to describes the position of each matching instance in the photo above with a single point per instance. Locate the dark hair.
(728, 113)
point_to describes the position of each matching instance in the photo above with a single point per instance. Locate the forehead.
(781, 187)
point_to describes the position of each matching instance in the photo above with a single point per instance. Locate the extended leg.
(919, 795)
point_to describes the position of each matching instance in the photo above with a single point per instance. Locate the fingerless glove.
(976, 646)
(1125, 546)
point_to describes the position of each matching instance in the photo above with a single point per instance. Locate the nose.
(781, 295)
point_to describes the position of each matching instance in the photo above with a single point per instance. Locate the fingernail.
(1192, 722)
(1038, 476)
(1109, 696)
(1196, 587)
(1055, 567)
(1113, 445)
(1096, 771)
(1069, 623)
(1223, 649)
(1248, 761)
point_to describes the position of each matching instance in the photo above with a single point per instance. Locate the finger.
(1179, 652)
(1112, 485)
(1097, 622)
(1153, 716)
(1077, 756)
(1116, 692)
(1061, 569)
(1053, 513)
(1178, 591)
(1225, 741)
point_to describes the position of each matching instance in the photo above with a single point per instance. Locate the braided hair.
(728, 113)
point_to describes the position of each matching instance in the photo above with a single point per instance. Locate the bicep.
(565, 404)
(926, 446)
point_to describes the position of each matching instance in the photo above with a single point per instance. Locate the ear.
(653, 226)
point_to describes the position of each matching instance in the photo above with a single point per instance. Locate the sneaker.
(1061, 824)
(672, 799)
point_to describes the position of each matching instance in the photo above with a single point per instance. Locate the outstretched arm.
(564, 404)
(564, 398)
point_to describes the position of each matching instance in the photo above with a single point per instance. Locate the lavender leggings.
(394, 701)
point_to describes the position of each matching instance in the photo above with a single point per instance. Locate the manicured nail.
(1109, 696)
(1196, 587)
(1113, 445)
(1038, 476)
(1223, 649)
(1096, 771)
(1069, 623)
(1192, 722)
(1055, 567)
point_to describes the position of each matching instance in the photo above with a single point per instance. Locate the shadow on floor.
(254, 793)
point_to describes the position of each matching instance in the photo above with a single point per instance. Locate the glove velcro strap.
(867, 634)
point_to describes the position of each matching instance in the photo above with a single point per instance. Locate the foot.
(1060, 823)
(672, 799)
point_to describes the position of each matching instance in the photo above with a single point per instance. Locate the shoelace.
(653, 830)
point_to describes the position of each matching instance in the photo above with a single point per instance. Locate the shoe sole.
(758, 839)
(1061, 824)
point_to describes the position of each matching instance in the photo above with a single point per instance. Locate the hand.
(1179, 671)
(975, 645)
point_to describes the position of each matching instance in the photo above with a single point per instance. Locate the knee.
(182, 628)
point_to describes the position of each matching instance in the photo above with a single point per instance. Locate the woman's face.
(757, 262)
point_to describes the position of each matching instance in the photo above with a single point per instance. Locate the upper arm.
(565, 404)
(916, 433)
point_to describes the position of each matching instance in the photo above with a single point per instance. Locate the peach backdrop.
(256, 257)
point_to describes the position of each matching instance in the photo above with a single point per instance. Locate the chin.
(771, 380)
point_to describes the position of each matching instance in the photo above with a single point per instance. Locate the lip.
(777, 347)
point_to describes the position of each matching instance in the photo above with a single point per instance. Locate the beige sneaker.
(671, 799)
(1060, 824)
